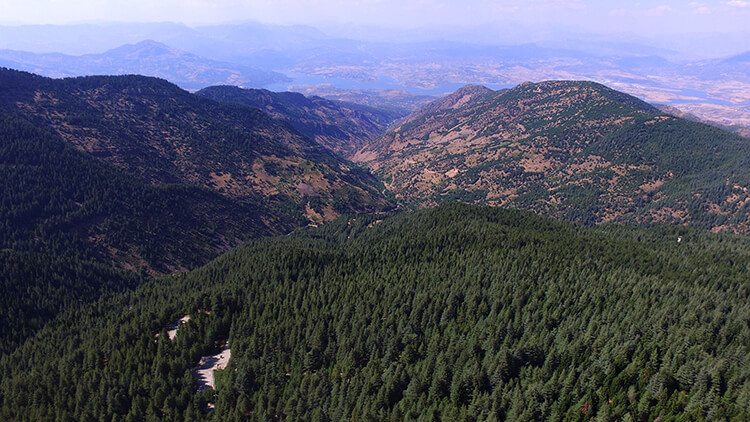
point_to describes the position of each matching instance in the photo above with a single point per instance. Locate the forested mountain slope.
(72, 226)
(37, 287)
(342, 127)
(572, 150)
(453, 313)
(60, 201)
(105, 174)
(162, 134)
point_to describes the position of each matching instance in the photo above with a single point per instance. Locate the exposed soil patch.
(172, 332)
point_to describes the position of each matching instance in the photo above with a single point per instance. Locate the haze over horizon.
(668, 24)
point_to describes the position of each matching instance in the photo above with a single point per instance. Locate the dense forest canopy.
(453, 313)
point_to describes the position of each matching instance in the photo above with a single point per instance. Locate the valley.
(401, 211)
(547, 251)
(339, 126)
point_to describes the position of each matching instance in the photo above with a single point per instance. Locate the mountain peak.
(144, 50)
(466, 94)
(580, 90)
(472, 89)
(576, 150)
(457, 99)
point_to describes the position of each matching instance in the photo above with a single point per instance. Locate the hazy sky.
(648, 18)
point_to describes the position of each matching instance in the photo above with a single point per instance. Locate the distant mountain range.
(715, 88)
(147, 58)
(573, 150)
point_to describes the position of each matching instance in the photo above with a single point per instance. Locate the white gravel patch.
(204, 372)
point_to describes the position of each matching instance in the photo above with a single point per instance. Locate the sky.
(648, 18)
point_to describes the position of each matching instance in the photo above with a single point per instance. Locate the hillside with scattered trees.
(573, 150)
